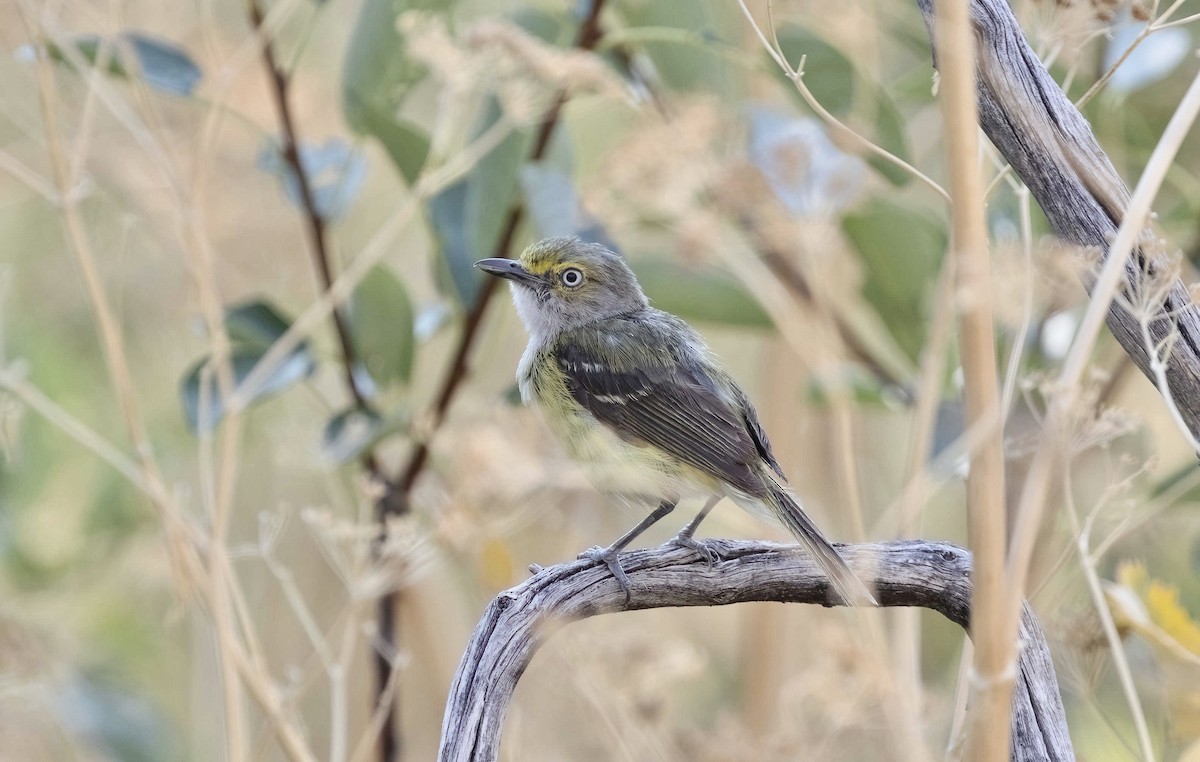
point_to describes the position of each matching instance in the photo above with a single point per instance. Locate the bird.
(639, 401)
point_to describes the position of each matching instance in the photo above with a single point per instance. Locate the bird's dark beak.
(509, 269)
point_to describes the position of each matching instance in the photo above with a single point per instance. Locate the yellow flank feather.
(635, 471)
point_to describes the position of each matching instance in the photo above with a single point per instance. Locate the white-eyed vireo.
(639, 401)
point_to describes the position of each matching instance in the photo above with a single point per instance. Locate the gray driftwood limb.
(903, 573)
(1052, 149)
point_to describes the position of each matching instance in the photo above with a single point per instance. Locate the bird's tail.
(851, 589)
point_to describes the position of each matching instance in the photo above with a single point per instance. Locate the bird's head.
(563, 283)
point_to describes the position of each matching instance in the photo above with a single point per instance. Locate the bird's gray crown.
(571, 283)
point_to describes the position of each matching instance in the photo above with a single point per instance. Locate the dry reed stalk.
(994, 667)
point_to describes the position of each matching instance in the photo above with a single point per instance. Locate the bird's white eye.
(572, 277)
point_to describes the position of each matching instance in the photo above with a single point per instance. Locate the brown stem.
(396, 502)
(315, 222)
(318, 241)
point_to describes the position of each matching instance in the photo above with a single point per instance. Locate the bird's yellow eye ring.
(572, 277)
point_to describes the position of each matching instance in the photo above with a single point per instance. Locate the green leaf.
(828, 73)
(902, 251)
(468, 216)
(697, 58)
(544, 25)
(197, 394)
(254, 324)
(405, 143)
(512, 396)
(376, 78)
(700, 294)
(847, 380)
(89, 46)
(381, 324)
(890, 135)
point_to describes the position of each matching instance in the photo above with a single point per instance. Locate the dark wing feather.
(758, 433)
(671, 406)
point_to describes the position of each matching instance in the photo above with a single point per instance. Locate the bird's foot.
(610, 558)
(703, 548)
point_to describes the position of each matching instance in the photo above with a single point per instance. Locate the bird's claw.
(702, 547)
(611, 559)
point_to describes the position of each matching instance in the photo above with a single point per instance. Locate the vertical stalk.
(995, 643)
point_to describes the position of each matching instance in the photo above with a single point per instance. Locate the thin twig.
(313, 218)
(315, 226)
(796, 75)
(1087, 563)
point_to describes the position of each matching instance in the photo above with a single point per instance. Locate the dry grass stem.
(1087, 562)
(993, 623)
(1067, 386)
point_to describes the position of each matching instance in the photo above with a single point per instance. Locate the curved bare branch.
(903, 573)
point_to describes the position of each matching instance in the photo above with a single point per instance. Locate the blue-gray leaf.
(349, 433)
(468, 217)
(164, 67)
(161, 65)
(1150, 61)
(335, 173)
(807, 172)
(555, 208)
(196, 394)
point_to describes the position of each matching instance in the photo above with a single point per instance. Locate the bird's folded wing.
(669, 406)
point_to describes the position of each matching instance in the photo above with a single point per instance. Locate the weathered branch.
(1052, 149)
(903, 573)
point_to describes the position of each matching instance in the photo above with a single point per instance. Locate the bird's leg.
(685, 538)
(608, 556)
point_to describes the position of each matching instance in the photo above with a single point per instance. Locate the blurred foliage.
(252, 329)
(902, 252)
(163, 66)
(469, 217)
(681, 145)
(1151, 608)
(376, 76)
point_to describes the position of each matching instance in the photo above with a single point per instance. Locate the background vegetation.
(194, 454)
